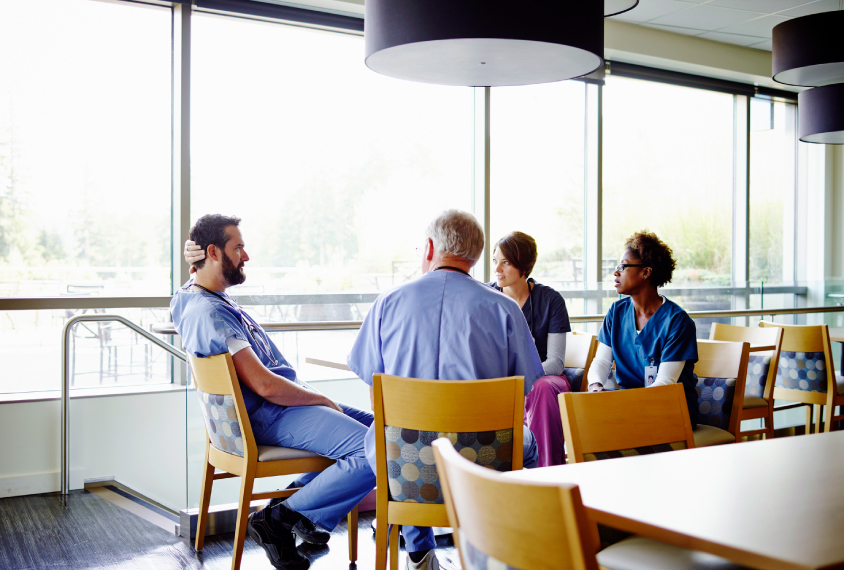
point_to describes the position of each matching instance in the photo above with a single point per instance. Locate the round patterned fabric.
(802, 371)
(221, 423)
(715, 401)
(410, 459)
(758, 366)
(575, 377)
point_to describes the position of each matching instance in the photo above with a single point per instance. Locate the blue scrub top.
(204, 321)
(669, 336)
(445, 326)
(545, 312)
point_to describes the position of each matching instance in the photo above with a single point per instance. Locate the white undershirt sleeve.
(555, 357)
(601, 365)
(668, 373)
(236, 345)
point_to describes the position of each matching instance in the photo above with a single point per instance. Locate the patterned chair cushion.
(410, 459)
(221, 422)
(475, 559)
(575, 377)
(644, 450)
(758, 366)
(715, 401)
(802, 371)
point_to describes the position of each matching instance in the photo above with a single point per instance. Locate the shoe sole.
(253, 534)
(310, 540)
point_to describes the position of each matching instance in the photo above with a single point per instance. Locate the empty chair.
(721, 372)
(621, 423)
(231, 448)
(761, 372)
(580, 350)
(483, 418)
(805, 372)
(501, 523)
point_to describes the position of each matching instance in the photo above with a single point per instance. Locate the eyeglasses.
(622, 266)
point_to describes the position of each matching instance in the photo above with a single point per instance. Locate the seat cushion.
(640, 553)
(270, 453)
(709, 435)
(754, 402)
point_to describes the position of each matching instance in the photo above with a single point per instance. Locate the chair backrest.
(605, 425)
(483, 418)
(805, 361)
(580, 350)
(721, 372)
(517, 524)
(221, 403)
(761, 366)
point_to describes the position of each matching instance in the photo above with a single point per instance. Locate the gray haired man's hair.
(458, 233)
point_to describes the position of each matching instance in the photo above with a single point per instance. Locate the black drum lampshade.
(616, 7)
(821, 114)
(809, 51)
(483, 42)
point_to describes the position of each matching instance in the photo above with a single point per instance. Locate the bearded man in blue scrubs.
(445, 325)
(283, 410)
(651, 339)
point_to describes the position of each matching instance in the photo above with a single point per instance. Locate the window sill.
(99, 392)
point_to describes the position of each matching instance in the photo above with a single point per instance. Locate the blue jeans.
(329, 495)
(418, 538)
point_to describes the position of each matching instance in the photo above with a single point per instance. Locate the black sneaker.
(279, 544)
(298, 524)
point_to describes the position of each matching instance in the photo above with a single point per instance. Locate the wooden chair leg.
(394, 547)
(769, 427)
(830, 412)
(809, 408)
(381, 538)
(242, 514)
(204, 500)
(818, 419)
(353, 535)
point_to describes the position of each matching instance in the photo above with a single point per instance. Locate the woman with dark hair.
(544, 308)
(651, 339)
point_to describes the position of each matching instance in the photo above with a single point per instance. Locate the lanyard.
(253, 330)
(452, 268)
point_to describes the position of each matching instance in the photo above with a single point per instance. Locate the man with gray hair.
(445, 325)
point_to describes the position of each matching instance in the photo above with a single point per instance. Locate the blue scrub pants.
(418, 538)
(329, 495)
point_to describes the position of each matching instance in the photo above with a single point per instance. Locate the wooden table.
(774, 504)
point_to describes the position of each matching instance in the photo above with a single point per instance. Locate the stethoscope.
(247, 323)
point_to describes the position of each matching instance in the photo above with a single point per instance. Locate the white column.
(593, 197)
(741, 202)
(480, 178)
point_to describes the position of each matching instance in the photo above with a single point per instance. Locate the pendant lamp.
(821, 114)
(483, 42)
(616, 7)
(809, 51)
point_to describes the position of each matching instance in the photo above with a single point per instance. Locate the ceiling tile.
(766, 6)
(731, 38)
(706, 17)
(650, 9)
(760, 27)
(767, 45)
(674, 29)
(812, 8)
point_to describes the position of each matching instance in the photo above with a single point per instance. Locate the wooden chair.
(580, 351)
(806, 374)
(606, 425)
(761, 372)
(231, 448)
(721, 372)
(482, 417)
(525, 525)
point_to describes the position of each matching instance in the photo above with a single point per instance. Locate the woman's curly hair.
(653, 253)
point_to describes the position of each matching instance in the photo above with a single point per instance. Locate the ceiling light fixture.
(821, 114)
(808, 51)
(616, 7)
(484, 43)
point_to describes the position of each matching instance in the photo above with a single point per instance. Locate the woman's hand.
(596, 387)
(193, 253)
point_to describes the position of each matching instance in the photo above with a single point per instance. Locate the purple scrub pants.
(542, 416)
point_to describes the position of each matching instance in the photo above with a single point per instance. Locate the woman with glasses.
(544, 308)
(651, 339)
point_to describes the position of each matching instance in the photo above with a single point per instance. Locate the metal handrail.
(732, 313)
(65, 420)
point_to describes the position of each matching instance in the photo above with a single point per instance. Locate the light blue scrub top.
(669, 336)
(204, 322)
(445, 326)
